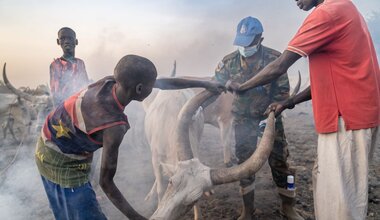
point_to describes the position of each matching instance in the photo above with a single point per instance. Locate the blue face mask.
(249, 51)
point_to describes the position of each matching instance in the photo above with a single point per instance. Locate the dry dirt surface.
(22, 196)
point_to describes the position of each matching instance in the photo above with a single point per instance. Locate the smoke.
(22, 195)
(109, 40)
(197, 34)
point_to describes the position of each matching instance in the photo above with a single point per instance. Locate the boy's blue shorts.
(73, 203)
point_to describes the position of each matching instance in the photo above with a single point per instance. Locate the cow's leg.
(11, 125)
(40, 120)
(13, 134)
(157, 169)
(29, 125)
(226, 135)
(5, 133)
(4, 126)
(197, 212)
(152, 191)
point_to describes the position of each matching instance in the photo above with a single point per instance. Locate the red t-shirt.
(344, 71)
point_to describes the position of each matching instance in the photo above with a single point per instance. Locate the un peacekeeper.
(248, 109)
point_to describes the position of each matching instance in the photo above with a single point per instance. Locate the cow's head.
(185, 187)
(191, 178)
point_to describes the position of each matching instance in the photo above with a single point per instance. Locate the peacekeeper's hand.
(233, 86)
(215, 87)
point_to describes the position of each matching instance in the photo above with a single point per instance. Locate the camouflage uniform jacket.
(253, 102)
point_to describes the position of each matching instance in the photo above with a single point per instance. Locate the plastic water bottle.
(290, 181)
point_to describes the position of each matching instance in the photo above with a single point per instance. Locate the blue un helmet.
(246, 31)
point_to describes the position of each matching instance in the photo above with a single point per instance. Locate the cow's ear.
(168, 169)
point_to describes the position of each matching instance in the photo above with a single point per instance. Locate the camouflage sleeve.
(221, 73)
(280, 88)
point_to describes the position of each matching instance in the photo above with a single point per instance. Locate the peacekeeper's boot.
(248, 210)
(287, 205)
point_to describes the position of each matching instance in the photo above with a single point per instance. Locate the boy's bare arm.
(188, 82)
(112, 138)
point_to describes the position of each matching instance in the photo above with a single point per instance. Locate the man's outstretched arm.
(188, 82)
(271, 72)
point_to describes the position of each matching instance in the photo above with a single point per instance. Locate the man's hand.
(215, 87)
(279, 107)
(276, 107)
(233, 86)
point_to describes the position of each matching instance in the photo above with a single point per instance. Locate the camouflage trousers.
(246, 135)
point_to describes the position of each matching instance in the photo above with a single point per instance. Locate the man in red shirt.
(345, 91)
(67, 73)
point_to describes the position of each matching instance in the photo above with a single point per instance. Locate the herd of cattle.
(174, 122)
(25, 108)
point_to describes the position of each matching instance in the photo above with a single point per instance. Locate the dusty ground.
(22, 196)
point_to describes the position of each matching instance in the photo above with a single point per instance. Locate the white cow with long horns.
(191, 178)
(160, 128)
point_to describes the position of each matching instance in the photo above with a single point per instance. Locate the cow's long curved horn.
(298, 85)
(182, 139)
(253, 164)
(258, 158)
(14, 90)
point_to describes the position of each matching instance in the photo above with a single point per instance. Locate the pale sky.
(197, 33)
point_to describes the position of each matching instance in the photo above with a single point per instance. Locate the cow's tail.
(153, 190)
